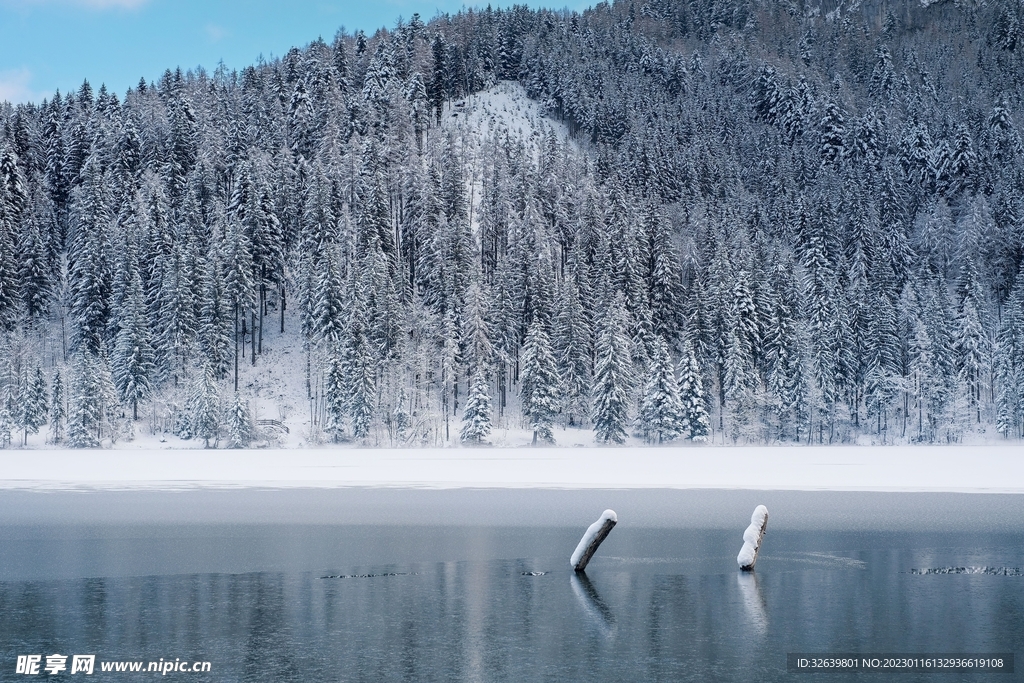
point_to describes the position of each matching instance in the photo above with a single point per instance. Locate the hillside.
(730, 221)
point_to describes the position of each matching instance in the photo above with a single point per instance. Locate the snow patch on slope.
(503, 109)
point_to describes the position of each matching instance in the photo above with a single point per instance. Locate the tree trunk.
(263, 310)
(282, 309)
(236, 347)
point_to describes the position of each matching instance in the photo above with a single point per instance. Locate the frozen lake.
(475, 585)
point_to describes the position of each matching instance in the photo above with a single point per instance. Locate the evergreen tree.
(240, 427)
(89, 399)
(204, 407)
(359, 368)
(8, 267)
(539, 383)
(662, 416)
(573, 341)
(32, 406)
(477, 417)
(133, 361)
(335, 396)
(613, 376)
(58, 414)
(696, 423)
(215, 325)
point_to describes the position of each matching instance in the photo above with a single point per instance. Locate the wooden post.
(752, 538)
(594, 536)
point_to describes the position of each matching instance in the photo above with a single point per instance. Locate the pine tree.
(539, 383)
(58, 414)
(696, 424)
(359, 367)
(133, 360)
(328, 302)
(215, 325)
(90, 264)
(833, 134)
(33, 404)
(613, 376)
(204, 407)
(662, 416)
(336, 396)
(88, 402)
(477, 417)
(9, 282)
(240, 428)
(573, 340)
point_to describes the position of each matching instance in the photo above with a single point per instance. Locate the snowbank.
(994, 469)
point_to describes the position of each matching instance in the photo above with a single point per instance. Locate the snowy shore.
(968, 469)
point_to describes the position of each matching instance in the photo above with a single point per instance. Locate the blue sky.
(51, 44)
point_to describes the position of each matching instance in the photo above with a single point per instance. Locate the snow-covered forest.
(739, 221)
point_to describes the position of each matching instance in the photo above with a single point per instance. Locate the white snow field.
(992, 469)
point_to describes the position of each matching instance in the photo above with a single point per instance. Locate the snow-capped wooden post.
(595, 535)
(752, 538)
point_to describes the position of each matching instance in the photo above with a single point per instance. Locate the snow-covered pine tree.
(662, 416)
(696, 423)
(9, 303)
(133, 360)
(664, 276)
(476, 420)
(613, 375)
(335, 396)
(85, 418)
(34, 265)
(833, 134)
(240, 427)
(573, 341)
(204, 407)
(328, 301)
(215, 326)
(1009, 369)
(90, 259)
(58, 413)
(33, 404)
(539, 390)
(400, 416)
(359, 366)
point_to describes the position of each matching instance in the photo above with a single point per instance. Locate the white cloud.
(15, 87)
(214, 33)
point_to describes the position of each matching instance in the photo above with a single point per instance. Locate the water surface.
(475, 599)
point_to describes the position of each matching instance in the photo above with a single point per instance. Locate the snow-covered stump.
(752, 538)
(595, 535)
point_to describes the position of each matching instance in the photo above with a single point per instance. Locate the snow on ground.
(993, 469)
(503, 108)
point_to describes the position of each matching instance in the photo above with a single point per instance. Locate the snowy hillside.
(646, 223)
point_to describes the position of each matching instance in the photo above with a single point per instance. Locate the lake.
(386, 585)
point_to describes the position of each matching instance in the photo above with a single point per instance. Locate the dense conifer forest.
(772, 222)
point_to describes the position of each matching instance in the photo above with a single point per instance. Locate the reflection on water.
(753, 602)
(593, 606)
(663, 605)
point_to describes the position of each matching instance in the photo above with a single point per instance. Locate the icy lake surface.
(476, 585)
